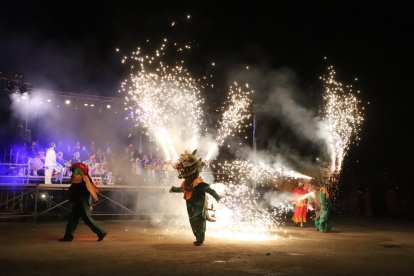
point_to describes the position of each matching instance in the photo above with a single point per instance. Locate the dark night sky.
(69, 46)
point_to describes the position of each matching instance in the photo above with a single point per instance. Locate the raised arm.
(174, 189)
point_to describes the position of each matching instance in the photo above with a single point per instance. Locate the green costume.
(194, 190)
(80, 192)
(323, 221)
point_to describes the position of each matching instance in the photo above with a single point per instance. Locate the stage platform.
(34, 200)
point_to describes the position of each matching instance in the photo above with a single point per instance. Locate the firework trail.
(234, 113)
(243, 171)
(342, 116)
(165, 100)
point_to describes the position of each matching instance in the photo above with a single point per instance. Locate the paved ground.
(358, 246)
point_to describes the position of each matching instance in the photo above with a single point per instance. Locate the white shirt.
(50, 160)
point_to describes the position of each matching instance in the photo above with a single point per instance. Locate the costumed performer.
(80, 192)
(194, 189)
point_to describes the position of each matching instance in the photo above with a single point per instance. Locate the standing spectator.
(68, 151)
(158, 164)
(60, 168)
(77, 147)
(84, 154)
(76, 157)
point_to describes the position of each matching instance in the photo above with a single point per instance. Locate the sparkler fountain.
(342, 116)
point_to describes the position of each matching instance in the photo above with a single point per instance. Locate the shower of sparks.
(234, 117)
(343, 116)
(244, 171)
(241, 217)
(243, 214)
(165, 100)
(305, 196)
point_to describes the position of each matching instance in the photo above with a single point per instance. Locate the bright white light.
(49, 100)
(85, 104)
(67, 102)
(108, 106)
(43, 196)
(92, 105)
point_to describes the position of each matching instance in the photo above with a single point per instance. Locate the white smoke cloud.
(278, 96)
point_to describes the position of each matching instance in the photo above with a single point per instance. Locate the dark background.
(69, 46)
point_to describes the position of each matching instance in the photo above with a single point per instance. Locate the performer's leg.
(48, 175)
(323, 220)
(328, 221)
(303, 215)
(60, 178)
(73, 221)
(86, 216)
(198, 225)
(317, 223)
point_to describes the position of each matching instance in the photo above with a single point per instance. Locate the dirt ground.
(358, 246)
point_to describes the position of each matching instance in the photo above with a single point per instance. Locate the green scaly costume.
(194, 189)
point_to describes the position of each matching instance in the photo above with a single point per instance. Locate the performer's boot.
(198, 243)
(66, 239)
(102, 236)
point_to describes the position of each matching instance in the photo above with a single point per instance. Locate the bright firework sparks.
(242, 214)
(165, 100)
(242, 218)
(343, 115)
(243, 171)
(235, 113)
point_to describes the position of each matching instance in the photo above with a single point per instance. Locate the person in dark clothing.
(194, 190)
(80, 191)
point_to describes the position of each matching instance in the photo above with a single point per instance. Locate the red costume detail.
(188, 191)
(300, 211)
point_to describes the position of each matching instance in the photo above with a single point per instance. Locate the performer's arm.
(213, 193)
(174, 189)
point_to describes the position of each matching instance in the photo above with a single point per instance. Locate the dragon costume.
(194, 189)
